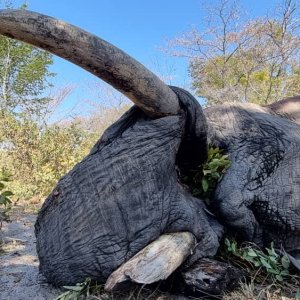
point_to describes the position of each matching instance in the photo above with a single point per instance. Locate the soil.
(19, 274)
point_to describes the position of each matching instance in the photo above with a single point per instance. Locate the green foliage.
(269, 261)
(39, 155)
(205, 178)
(75, 292)
(5, 195)
(252, 60)
(24, 75)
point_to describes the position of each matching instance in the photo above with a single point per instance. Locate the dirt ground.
(19, 276)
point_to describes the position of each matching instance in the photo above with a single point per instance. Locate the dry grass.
(137, 293)
(253, 291)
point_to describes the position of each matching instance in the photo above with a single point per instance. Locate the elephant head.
(125, 193)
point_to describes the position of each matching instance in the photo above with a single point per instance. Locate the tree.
(24, 74)
(248, 61)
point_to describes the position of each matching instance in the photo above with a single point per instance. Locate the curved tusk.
(94, 55)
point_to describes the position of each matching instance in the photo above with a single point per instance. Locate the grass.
(271, 291)
(271, 276)
(245, 291)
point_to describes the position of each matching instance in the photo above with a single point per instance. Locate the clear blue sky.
(136, 26)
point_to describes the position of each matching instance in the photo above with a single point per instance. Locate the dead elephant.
(126, 193)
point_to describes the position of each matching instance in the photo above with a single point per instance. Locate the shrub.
(268, 262)
(5, 202)
(39, 155)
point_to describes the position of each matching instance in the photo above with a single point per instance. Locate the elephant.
(126, 193)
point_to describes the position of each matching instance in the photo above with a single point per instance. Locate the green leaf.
(279, 278)
(272, 251)
(204, 185)
(63, 296)
(249, 258)
(285, 273)
(234, 247)
(273, 271)
(227, 242)
(252, 253)
(76, 288)
(7, 194)
(205, 172)
(265, 263)
(2, 200)
(285, 262)
(257, 264)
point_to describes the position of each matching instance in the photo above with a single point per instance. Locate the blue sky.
(137, 27)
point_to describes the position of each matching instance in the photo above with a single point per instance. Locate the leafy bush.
(269, 261)
(4, 197)
(39, 155)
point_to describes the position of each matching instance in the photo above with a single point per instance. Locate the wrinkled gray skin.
(124, 195)
(259, 196)
(126, 192)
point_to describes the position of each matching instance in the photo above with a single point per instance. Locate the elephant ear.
(288, 108)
